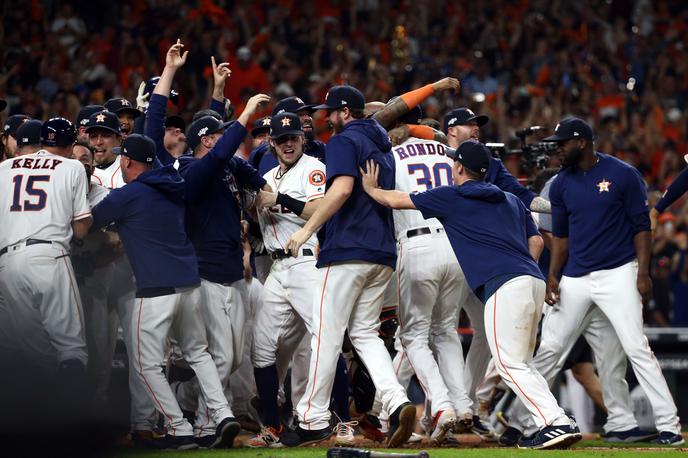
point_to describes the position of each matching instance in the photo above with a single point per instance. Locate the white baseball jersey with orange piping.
(110, 177)
(45, 194)
(304, 181)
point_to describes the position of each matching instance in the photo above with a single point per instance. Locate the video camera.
(533, 155)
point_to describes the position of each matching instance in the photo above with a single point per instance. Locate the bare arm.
(535, 245)
(643, 245)
(310, 209)
(220, 74)
(80, 227)
(560, 251)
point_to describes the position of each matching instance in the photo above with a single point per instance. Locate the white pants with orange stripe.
(607, 308)
(41, 316)
(430, 294)
(512, 314)
(179, 314)
(478, 357)
(222, 311)
(349, 297)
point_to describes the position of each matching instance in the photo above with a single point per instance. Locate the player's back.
(38, 198)
(420, 165)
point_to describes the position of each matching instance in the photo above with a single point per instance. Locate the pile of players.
(128, 219)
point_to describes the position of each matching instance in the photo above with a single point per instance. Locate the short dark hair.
(474, 175)
(86, 145)
(356, 113)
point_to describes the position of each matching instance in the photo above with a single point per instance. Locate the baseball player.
(601, 244)
(677, 188)
(211, 176)
(9, 134)
(286, 311)
(149, 213)
(501, 233)
(431, 294)
(104, 134)
(126, 113)
(29, 137)
(357, 256)
(43, 207)
(82, 120)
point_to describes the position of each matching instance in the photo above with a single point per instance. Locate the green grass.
(582, 449)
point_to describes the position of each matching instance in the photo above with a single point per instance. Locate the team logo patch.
(604, 185)
(316, 178)
(100, 118)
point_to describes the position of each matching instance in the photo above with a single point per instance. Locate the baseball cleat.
(401, 424)
(669, 438)
(370, 426)
(483, 430)
(268, 437)
(445, 421)
(510, 437)
(180, 442)
(463, 423)
(631, 435)
(226, 431)
(344, 432)
(301, 437)
(557, 436)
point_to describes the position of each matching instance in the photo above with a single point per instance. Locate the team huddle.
(273, 282)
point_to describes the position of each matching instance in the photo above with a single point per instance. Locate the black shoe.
(558, 436)
(510, 437)
(301, 437)
(632, 435)
(205, 441)
(180, 442)
(401, 424)
(482, 430)
(669, 438)
(226, 431)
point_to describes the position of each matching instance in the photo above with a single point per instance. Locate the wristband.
(292, 204)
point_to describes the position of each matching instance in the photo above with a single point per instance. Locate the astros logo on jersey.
(604, 185)
(316, 178)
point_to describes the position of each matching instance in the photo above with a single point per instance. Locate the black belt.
(281, 254)
(163, 291)
(422, 231)
(27, 243)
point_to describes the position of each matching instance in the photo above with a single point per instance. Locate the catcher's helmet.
(57, 132)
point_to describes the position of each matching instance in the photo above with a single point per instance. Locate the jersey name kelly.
(418, 149)
(36, 163)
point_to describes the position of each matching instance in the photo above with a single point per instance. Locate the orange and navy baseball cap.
(291, 105)
(339, 97)
(261, 126)
(13, 122)
(461, 117)
(570, 128)
(86, 112)
(105, 120)
(121, 105)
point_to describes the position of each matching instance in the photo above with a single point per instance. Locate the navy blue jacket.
(212, 183)
(498, 175)
(488, 230)
(361, 229)
(677, 188)
(149, 215)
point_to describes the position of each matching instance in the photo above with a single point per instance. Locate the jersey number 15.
(31, 190)
(441, 175)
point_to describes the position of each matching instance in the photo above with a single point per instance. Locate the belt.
(27, 243)
(281, 254)
(163, 291)
(423, 231)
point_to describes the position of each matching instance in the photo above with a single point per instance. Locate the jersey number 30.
(32, 191)
(441, 175)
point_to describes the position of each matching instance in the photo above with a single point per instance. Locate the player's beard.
(337, 126)
(572, 159)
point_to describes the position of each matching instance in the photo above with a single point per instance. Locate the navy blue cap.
(260, 126)
(462, 116)
(570, 128)
(285, 124)
(203, 126)
(29, 133)
(343, 97)
(206, 112)
(471, 154)
(121, 105)
(104, 120)
(13, 122)
(137, 147)
(291, 105)
(150, 87)
(175, 121)
(86, 112)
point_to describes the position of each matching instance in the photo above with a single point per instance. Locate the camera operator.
(461, 124)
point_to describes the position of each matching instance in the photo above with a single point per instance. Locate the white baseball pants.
(349, 296)
(180, 314)
(431, 288)
(41, 315)
(512, 314)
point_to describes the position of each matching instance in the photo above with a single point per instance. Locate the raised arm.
(220, 75)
